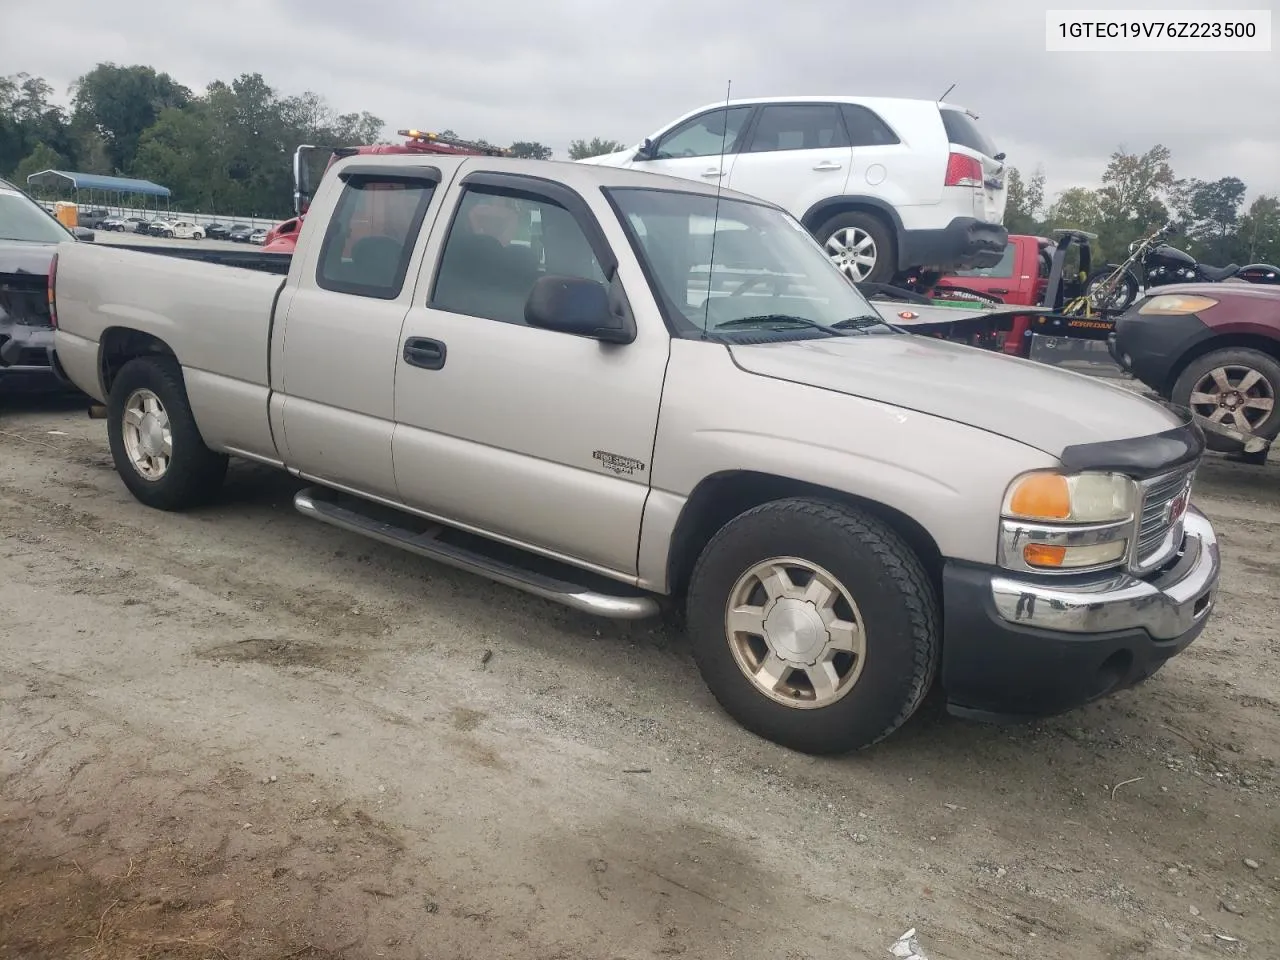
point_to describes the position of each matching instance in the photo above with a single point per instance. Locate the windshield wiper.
(768, 318)
(865, 320)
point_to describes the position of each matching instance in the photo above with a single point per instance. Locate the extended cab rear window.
(963, 132)
(370, 237)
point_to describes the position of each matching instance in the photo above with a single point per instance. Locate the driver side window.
(704, 135)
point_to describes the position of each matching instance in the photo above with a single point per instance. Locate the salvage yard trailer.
(590, 427)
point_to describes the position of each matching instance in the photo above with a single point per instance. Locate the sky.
(557, 70)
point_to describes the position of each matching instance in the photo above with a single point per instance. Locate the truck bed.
(277, 263)
(216, 305)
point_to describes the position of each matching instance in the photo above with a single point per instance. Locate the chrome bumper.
(1166, 606)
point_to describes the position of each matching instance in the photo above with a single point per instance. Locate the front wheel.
(1237, 388)
(1122, 296)
(814, 625)
(155, 443)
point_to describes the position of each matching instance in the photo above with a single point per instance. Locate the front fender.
(948, 477)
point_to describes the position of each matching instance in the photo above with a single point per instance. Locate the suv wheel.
(814, 625)
(1237, 388)
(861, 246)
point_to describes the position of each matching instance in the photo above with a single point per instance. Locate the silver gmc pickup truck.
(620, 391)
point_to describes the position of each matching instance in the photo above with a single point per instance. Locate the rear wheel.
(814, 625)
(155, 443)
(1235, 387)
(861, 246)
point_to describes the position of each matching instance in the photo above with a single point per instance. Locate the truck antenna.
(715, 220)
(944, 96)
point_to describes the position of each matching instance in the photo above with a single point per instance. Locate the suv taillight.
(53, 302)
(963, 171)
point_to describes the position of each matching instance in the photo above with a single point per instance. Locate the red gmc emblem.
(1177, 507)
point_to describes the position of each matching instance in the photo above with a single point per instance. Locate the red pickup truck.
(1021, 278)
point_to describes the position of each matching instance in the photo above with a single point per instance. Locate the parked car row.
(185, 229)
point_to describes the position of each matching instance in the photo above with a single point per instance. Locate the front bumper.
(966, 243)
(1027, 647)
(1150, 346)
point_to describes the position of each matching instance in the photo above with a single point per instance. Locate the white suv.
(889, 186)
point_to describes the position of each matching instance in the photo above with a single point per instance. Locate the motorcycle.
(1152, 263)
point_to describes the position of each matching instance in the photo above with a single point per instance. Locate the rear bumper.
(965, 243)
(26, 353)
(1018, 647)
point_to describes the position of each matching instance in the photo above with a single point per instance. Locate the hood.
(1034, 404)
(1217, 291)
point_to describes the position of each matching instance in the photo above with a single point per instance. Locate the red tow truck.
(1021, 278)
(282, 238)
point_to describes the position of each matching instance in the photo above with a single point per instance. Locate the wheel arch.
(118, 345)
(824, 210)
(721, 497)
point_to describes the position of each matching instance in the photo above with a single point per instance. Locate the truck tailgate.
(213, 317)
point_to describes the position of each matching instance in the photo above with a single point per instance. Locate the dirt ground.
(240, 734)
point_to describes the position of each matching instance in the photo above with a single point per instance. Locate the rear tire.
(848, 238)
(155, 443)
(866, 636)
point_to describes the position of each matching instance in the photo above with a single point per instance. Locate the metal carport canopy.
(96, 181)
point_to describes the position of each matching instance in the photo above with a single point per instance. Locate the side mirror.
(577, 306)
(646, 150)
(83, 233)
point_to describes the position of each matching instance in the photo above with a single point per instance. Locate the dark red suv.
(1213, 347)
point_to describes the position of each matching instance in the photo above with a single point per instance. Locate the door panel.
(341, 337)
(692, 149)
(538, 437)
(797, 154)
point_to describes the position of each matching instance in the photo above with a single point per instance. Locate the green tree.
(122, 102)
(1132, 198)
(1025, 203)
(1258, 235)
(530, 150)
(1208, 214)
(1077, 208)
(43, 157)
(595, 147)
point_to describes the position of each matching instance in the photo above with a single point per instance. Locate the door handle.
(827, 165)
(999, 289)
(713, 172)
(425, 353)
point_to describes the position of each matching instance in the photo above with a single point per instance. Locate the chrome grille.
(1154, 543)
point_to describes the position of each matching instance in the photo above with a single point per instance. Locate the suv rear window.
(963, 132)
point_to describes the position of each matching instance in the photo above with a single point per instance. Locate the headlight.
(1175, 305)
(1067, 523)
(1078, 498)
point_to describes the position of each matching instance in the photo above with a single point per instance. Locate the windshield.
(769, 274)
(21, 218)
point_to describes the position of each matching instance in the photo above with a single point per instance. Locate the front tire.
(1238, 388)
(155, 443)
(861, 245)
(814, 625)
(1122, 299)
